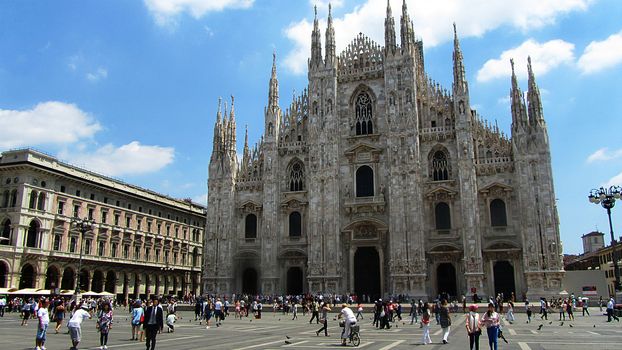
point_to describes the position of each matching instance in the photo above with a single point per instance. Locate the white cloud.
(97, 75)
(165, 11)
(614, 181)
(600, 55)
(604, 154)
(432, 21)
(47, 123)
(544, 57)
(132, 158)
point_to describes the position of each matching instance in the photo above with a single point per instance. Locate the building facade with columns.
(141, 242)
(375, 180)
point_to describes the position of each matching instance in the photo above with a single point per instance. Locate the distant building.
(593, 241)
(142, 242)
(599, 259)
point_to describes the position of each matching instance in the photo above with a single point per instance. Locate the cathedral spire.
(460, 83)
(273, 91)
(232, 127)
(217, 137)
(519, 115)
(246, 153)
(316, 42)
(406, 29)
(390, 43)
(533, 98)
(330, 39)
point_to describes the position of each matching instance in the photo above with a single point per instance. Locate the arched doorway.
(27, 279)
(98, 282)
(294, 281)
(367, 272)
(4, 271)
(84, 280)
(249, 281)
(111, 281)
(446, 280)
(51, 278)
(503, 274)
(68, 279)
(31, 237)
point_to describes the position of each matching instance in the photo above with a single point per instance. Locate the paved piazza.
(271, 331)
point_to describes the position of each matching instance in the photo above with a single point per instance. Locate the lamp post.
(83, 226)
(607, 197)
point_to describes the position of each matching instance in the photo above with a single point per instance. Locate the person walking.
(218, 313)
(315, 313)
(543, 309)
(26, 311)
(59, 314)
(425, 324)
(569, 310)
(104, 324)
(359, 311)
(2, 305)
(491, 321)
(528, 310)
(75, 325)
(324, 319)
(611, 312)
(584, 306)
(154, 322)
(413, 312)
(445, 320)
(510, 314)
(42, 326)
(138, 316)
(473, 327)
(294, 310)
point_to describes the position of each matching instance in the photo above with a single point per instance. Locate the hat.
(85, 306)
(473, 307)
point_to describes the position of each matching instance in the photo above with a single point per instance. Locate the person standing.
(425, 324)
(510, 314)
(543, 309)
(218, 312)
(491, 321)
(26, 311)
(413, 312)
(473, 327)
(610, 311)
(584, 307)
(359, 311)
(528, 310)
(324, 319)
(154, 322)
(75, 324)
(294, 310)
(42, 327)
(569, 311)
(2, 305)
(445, 320)
(350, 320)
(104, 324)
(138, 315)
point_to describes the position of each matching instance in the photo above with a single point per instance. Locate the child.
(170, 322)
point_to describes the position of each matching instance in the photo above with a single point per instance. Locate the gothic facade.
(375, 180)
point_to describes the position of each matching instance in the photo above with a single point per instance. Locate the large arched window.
(498, 216)
(295, 224)
(442, 216)
(439, 167)
(296, 176)
(250, 226)
(31, 237)
(364, 181)
(5, 235)
(364, 117)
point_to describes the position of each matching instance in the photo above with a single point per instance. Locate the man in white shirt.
(42, 327)
(75, 324)
(350, 320)
(2, 305)
(218, 312)
(611, 311)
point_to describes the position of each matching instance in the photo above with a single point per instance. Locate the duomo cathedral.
(377, 181)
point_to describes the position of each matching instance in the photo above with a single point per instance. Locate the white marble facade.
(375, 180)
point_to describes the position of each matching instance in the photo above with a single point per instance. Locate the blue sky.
(130, 88)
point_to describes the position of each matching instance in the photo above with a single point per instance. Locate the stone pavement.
(272, 330)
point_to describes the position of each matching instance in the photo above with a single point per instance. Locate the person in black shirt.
(154, 322)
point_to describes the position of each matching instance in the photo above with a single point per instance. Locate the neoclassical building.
(141, 242)
(376, 180)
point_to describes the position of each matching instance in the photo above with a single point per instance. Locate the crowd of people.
(148, 317)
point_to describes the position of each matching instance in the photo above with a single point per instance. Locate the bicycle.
(355, 336)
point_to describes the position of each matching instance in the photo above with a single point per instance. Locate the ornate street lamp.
(607, 197)
(83, 226)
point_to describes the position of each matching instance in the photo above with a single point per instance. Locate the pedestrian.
(473, 327)
(491, 321)
(445, 320)
(543, 309)
(218, 312)
(138, 316)
(413, 312)
(349, 321)
(104, 324)
(611, 312)
(315, 314)
(562, 309)
(154, 322)
(2, 305)
(75, 324)
(425, 324)
(295, 310)
(600, 303)
(324, 319)
(584, 306)
(359, 311)
(510, 314)
(26, 312)
(569, 311)
(170, 322)
(42, 326)
(528, 310)
(59, 314)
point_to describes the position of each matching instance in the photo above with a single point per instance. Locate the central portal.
(367, 272)
(249, 281)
